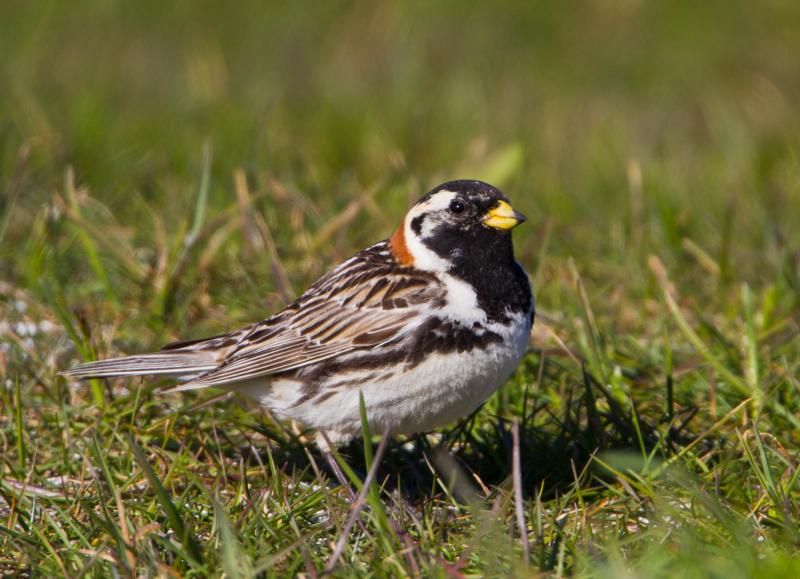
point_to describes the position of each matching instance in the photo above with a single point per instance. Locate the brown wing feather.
(367, 301)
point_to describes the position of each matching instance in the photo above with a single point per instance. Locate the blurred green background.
(348, 94)
(151, 152)
(621, 128)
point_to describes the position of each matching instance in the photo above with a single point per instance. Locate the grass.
(175, 171)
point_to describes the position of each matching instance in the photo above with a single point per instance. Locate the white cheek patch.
(424, 258)
(430, 223)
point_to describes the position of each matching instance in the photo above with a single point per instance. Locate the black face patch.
(480, 255)
(416, 224)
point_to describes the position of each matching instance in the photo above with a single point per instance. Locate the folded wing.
(325, 323)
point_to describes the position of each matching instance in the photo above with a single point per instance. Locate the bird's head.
(456, 221)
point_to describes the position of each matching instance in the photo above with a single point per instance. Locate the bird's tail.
(168, 362)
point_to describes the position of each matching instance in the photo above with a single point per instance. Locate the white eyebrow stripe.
(438, 201)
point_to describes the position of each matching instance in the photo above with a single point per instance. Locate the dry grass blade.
(342, 219)
(701, 255)
(91, 233)
(29, 489)
(519, 505)
(258, 236)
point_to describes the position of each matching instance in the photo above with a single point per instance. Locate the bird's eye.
(457, 206)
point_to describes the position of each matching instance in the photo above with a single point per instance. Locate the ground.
(176, 170)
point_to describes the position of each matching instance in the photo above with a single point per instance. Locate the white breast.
(440, 389)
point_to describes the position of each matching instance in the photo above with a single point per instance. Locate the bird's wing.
(358, 305)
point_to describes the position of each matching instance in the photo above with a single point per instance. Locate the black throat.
(484, 258)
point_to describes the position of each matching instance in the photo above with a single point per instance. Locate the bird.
(424, 325)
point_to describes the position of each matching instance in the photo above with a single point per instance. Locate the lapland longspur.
(426, 324)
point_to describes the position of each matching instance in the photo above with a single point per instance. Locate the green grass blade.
(86, 238)
(179, 526)
(735, 381)
(235, 561)
(22, 453)
(201, 205)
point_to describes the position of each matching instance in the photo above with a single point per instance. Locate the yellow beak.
(503, 217)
